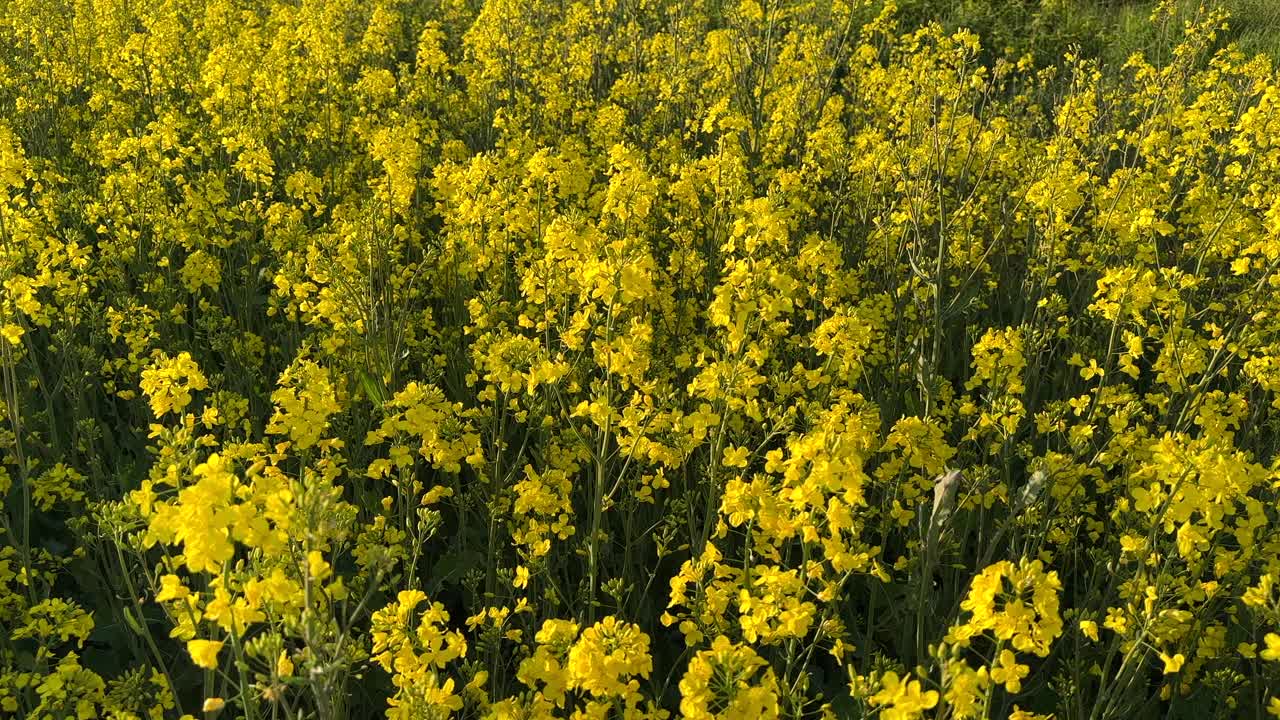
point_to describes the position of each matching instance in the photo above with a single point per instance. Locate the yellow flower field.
(594, 359)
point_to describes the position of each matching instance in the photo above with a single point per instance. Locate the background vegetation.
(1107, 29)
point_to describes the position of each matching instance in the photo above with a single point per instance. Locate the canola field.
(632, 359)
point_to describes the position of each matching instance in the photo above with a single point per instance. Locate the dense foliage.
(632, 359)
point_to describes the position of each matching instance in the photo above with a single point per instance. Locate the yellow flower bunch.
(169, 382)
(729, 677)
(1015, 603)
(414, 646)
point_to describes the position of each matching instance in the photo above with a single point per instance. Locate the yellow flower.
(317, 567)
(1010, 672)
(204, 653)
(736, 456)
(171, 588)
(12, 333)
(213, 704)
(1272, 652)
(284, 666)
(1172, 664)
(903, 699)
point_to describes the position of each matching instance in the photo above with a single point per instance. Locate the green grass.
(1107, 29)
(1255, 24)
